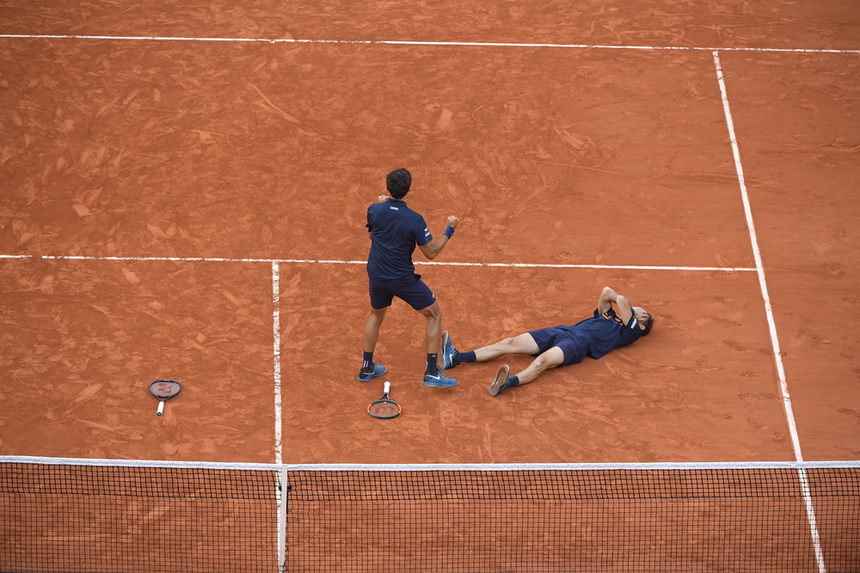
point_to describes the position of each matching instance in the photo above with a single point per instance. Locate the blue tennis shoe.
(366, 375)
(448, 351)
(438, 379)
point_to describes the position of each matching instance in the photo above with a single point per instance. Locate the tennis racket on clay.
(385, 407)
(164, 390)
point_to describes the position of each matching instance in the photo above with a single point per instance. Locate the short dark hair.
(648, 323)
(398, 183)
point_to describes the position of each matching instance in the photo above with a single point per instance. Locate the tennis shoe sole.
(498, 384)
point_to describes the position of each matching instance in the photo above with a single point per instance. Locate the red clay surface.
(137, 148)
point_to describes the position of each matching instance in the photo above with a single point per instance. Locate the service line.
(416, 43)
(348, 262)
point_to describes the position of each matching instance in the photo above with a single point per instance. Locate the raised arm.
(432, 250)
(624, 309)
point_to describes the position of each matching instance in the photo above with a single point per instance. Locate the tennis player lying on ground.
(595, 337)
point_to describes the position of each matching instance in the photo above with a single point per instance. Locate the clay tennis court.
(185, 191)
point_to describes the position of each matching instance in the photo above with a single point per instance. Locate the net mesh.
(584, 520)
(111, 519)
(94, 516)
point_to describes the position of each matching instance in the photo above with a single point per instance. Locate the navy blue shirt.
(395, 230)
(605, 332)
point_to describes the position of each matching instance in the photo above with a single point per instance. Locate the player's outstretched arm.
(432, 250)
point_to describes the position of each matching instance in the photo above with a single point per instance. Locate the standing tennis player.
(594, 337)
(395, 230)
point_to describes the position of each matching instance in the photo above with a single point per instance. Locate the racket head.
(165, 389)
(384, 409)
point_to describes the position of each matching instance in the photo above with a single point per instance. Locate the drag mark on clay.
(272, 108)
(482, 106)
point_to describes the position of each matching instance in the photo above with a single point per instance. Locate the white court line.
(419, 43)
(276, 356)
(777, 354)
(575, 466)
(276, 364)
(347, 262)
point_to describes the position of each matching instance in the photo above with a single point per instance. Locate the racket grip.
(387, 387)
(160, 411)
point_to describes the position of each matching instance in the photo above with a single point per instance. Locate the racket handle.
(160, 411)
(387, 387)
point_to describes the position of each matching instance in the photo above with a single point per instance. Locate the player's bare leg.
(549, 359)
(371, 335)
(434, 375)
(520, 344)
(371, 328)
(433, 334)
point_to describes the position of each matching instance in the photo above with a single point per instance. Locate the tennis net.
(114, 516)
(94, 516)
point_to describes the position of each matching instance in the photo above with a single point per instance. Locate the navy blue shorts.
(411, 289)
(574, 346)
